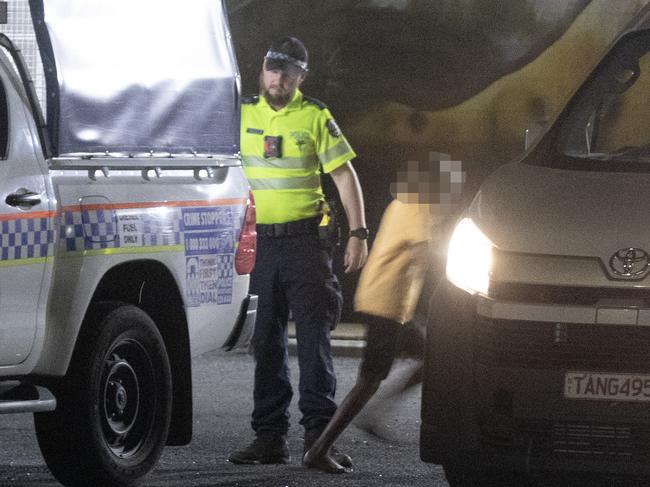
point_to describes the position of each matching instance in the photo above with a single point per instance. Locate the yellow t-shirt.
(391, 281)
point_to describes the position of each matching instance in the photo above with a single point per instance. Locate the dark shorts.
(385, 341)
(381, 349)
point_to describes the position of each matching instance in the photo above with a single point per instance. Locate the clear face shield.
(290, 70)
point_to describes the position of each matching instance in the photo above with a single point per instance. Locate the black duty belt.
(309, 226)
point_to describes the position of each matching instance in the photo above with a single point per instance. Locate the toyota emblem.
(630, 262)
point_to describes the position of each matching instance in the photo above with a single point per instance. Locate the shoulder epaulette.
(250, 99)
(314, 101)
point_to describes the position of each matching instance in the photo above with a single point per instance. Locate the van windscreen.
(610, 120)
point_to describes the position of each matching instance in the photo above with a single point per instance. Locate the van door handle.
(27, 198)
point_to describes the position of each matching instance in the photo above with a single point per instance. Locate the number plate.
(608, 387)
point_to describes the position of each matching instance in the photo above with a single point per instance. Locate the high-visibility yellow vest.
(303, 137)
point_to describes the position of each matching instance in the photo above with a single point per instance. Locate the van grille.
(566, 295)
(543, 345)
(609, 442)
(595, 440)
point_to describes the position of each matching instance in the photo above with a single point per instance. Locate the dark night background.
(409, 77)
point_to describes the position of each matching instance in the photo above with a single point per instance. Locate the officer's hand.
(356, 254)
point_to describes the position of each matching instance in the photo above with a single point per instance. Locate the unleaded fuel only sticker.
(209, 239)
(130, 228)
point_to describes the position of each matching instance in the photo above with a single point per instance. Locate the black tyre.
(114, 405)
(464, 476)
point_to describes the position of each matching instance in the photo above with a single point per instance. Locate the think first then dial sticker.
(209, 240)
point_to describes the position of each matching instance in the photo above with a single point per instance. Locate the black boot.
(264, 449)
(311, 435)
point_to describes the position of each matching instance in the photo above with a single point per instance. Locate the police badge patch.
(301, 139)
(333, 128)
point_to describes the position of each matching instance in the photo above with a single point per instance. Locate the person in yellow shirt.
(410, 238)
(287, 140)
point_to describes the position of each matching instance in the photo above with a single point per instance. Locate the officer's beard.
(278, 100)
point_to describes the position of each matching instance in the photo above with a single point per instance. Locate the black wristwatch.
(361, 233)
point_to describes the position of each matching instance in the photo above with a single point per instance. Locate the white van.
(539, 341)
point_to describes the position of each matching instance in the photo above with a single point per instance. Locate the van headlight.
(469, 258)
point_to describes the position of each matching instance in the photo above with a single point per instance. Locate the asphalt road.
(223, 400)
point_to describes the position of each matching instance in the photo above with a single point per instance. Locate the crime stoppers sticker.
(209, 239)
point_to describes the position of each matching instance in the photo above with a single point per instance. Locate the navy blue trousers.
(293, 275)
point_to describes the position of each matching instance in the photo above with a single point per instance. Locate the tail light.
(247, 247)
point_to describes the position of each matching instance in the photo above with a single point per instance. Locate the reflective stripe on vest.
(334, 152)
(285, 162)
(306, 182)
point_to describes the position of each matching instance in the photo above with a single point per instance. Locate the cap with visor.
(287, 54)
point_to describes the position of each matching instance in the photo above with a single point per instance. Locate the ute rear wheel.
(114, 405)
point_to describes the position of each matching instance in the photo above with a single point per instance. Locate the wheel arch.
(151, 286)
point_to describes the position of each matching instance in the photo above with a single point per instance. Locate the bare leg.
(412, 342)
(376, 417)
(318, 455)
(380, 351)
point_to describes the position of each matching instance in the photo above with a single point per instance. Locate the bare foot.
(323, 462)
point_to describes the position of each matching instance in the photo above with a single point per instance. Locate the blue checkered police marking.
(97, 229)
(87, 230)
(80, 231)
(99, 225)
(207, 235)
(25, 238)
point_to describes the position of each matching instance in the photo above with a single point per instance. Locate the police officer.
(287, 139)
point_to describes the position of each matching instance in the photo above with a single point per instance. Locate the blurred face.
(279, 84)
(436, 182)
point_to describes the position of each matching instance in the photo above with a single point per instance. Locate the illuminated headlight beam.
(469, 258)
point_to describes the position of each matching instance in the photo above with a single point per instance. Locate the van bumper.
(487, 407)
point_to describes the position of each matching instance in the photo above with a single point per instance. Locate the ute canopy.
(135, 78)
